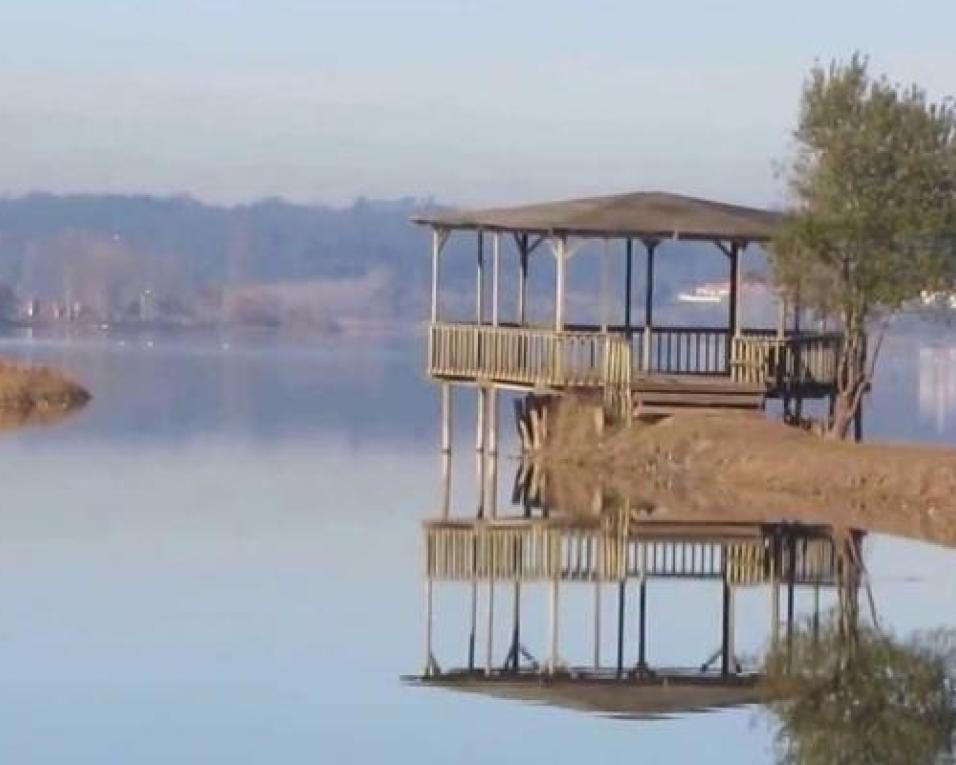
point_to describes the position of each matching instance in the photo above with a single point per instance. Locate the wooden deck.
(663, 367)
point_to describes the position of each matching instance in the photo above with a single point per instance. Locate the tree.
(862, 697)
(873, 221)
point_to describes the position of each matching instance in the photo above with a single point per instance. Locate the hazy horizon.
(472, 104)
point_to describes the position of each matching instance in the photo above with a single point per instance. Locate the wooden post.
(650, 245)
(642, 626)
(516, 628)
(781, 316)
(480, 432)
(446, 417)
(597, 624)
(553, 628)
(725, 628)
(474, 621)
(621, 591)
(858, 424)
(791, 542)
(428, 627)
(445, 501)
(559, 288)
(522, 279)
(446, 437)
(436, 251)
(480, 280)
(605, 286)
(734, 289)
(495, 266)
(628, 276)
(489, 643)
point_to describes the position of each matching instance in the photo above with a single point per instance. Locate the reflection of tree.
(862, 696)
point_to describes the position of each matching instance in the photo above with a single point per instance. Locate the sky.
(472, 103)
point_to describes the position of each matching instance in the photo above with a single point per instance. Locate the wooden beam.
(480, 280)
(650, 245)
(560, 254)
(605, 286)
(495, 267)
(522, 242)
(439, 237)
(734, 319)
(628, 276)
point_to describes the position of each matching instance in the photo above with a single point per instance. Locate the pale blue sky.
(472, 102)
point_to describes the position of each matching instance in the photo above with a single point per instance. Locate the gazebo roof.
(654, 215)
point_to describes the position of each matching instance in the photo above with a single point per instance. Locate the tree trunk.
(852, 383)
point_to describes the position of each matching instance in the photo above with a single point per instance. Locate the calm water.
(219, 560)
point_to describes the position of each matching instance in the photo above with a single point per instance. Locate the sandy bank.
(733, 466)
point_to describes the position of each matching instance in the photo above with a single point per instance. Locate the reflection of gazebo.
(618, 548)
(650, 367)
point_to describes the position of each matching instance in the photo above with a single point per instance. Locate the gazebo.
(647, 368)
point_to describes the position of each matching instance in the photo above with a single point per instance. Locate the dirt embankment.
(747, 466)
(37, 391)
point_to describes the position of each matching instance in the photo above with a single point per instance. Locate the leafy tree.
(843, 698)
(873, 224)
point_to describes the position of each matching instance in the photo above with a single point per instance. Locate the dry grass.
(35, 389)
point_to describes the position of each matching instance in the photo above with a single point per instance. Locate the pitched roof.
(639, 215)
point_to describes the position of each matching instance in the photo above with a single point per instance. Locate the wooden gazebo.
(649, 368)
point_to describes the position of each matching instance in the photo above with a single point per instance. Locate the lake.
(220, 560)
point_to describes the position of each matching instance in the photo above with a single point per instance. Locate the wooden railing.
(524, 550)
(527, 356)
(683, 350)
(796, 360)
(587, 356)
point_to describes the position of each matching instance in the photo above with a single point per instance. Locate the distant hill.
(140, 258)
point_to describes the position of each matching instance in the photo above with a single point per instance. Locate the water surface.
(219, 560)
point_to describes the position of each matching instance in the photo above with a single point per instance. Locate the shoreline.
(726, 466)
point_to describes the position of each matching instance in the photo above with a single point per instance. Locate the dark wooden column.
(650, 245)
(628, 277)
(734, 318)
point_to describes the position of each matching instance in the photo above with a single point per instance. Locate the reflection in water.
(863, 697)
(937, 385)
(539, 548)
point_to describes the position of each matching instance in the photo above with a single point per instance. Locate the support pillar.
(552, 664)
(642, 627)
(648, 337)
(429, 604)
(628, 283)
(435, 264)
(605, 286)
(516, 627)
(522, 242)
(597, 625)
(489, 643)
(726, 656)
(480, 280)
(621, 592)
(559, 283)
(495, 268)
(734, 318)
(480, 432)
(446, 439)
(474, 625)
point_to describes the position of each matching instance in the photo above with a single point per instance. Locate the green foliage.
(874, 182)
(874, 220)
(869, 699)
